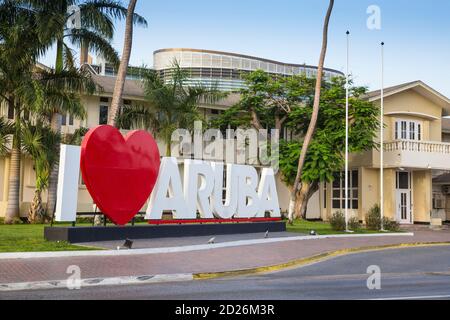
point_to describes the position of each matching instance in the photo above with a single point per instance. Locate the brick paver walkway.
(214, 260)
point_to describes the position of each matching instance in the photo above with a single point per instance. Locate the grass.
(30, 238)
(321, 228)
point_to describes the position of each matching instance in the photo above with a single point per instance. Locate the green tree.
(31, 91)
(266, 101)
(17, 84)
(325, 154)
(170, 104)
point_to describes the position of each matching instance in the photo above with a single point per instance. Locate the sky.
(416, 35)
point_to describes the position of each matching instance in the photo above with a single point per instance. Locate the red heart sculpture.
(119, 172)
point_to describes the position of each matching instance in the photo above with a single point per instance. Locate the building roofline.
(245, 57)
(389, 91)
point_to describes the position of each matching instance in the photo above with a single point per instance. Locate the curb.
(95, 282)
(313, 259)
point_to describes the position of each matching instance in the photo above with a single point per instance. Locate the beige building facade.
(417, 142)
(416, 161)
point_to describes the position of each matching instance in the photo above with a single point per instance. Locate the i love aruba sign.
(123, 173)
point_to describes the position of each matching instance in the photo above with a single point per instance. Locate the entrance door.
(404, 197)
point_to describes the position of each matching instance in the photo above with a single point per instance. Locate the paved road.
(422, 273)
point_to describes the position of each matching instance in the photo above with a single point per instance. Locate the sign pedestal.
(111, 233)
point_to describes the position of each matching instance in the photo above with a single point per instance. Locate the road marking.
(103, 253)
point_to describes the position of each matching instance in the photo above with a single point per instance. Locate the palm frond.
(138, 116)
(96, 43)
(68, 56)
(6, 130)
(110, 9)
(75, 138)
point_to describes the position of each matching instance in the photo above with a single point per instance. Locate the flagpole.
(347, 84)
(382, 140)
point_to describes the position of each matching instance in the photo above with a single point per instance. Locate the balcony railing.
(418, 146)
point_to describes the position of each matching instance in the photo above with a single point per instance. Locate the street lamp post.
(382, 140)
(347, 84)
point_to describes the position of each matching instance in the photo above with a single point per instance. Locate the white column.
(68, 181)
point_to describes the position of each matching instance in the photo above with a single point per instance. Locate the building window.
(338, 200)
(103, 115)
(64, 119)
(408, 130)
(325, 195)
(403, 180)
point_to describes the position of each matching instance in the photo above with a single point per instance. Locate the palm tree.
(31, 92)
(39, 142)
(312, 126)
(17, 61)
(122, 73)
(95, 33)
(171, 104)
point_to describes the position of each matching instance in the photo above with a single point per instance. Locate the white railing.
(418, 146)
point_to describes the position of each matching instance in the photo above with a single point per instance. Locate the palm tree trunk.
(122, 73)
(13, 208)
(315, 115)
(169, 148)
(53, 179)
(59, 66)
(36, 213)
(56, 124)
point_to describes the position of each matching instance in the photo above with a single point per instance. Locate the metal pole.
(382, 139)
(347, 84)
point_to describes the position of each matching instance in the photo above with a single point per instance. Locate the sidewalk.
(194, 262)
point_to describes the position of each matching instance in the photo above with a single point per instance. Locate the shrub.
(391, 225)
(373, 221)
(373, 218)
(353, 224)
(337, 221)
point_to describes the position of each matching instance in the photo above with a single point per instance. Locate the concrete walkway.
(194, 262)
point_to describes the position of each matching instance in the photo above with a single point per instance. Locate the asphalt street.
(413, 273)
